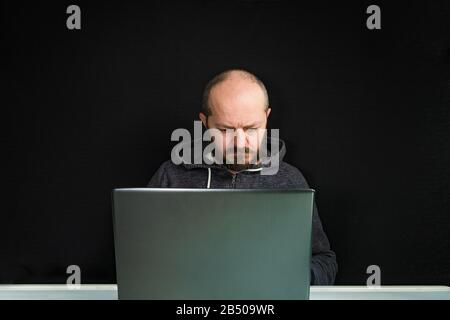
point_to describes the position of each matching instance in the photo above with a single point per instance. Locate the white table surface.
(109, 292)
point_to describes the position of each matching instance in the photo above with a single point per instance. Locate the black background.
(365, 115)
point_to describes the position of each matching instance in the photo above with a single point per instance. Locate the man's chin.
(241, 167)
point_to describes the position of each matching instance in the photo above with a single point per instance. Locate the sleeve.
(159, 179)
(324, 266)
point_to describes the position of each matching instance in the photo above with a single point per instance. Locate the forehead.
(237, 100)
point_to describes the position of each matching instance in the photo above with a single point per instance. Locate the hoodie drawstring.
(208, 185)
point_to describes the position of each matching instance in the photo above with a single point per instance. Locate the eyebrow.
(255, 124)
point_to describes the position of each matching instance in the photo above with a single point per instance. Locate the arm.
(324, 266)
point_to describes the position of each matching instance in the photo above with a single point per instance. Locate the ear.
(268, 112)
(204, 119)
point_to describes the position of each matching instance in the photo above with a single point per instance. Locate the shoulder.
(292, 174)
(169, 168)
(163, 176)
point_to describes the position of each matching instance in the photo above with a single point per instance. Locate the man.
(237, 100)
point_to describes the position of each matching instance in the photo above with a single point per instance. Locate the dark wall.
(365, 115)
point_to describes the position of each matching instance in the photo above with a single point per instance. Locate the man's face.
(239, 111)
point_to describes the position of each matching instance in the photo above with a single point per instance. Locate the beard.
(251, 159)
(239, 167)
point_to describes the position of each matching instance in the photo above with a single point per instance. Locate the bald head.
(233, 87)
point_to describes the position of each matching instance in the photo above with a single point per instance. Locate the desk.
(109, 292)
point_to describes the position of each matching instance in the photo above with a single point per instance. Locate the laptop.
(213, 244)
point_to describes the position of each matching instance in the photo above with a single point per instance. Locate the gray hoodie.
(323, 261)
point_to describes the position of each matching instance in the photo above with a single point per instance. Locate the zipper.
(233, 181)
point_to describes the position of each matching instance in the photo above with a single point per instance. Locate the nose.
(239, 138)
